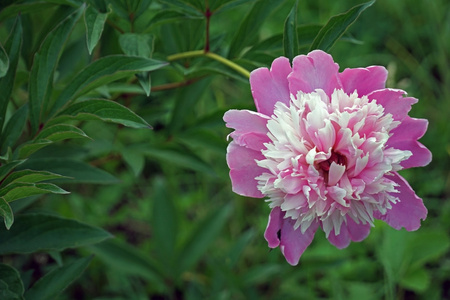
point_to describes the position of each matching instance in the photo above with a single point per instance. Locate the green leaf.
(19, 190)
(251, 24)
(29, 148)
(101, 72)
(290, 37)
(7, 168)
(12, 11)
(31, 176)
(105, 110)
(94, 22)
(75, 171)
(137, 44)
(185, 7)
(164, 223)
(44, 64)
(14, 128)
(229, 4)
(13, 288)
(53, 283)
(202, 237)
(179, 157)
(337, 26)
(417, 280)
(129, 260)
(186, 98)
(166, 16)
(7, 213)
(13, 48)
(428, 245)
(46, 232)
(4, 62)
(61, 132)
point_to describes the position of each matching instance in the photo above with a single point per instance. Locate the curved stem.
(211, 55)
(228, 63)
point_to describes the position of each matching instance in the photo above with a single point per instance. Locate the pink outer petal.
(293, 243)
(393, 102)
(350, 231)
(269, 87)
(405, 137)
(408, 212)
(363, 80)
(317, 70)
(243, 170)
(273, 226)
(250, 128)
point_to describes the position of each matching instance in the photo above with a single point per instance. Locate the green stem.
(211, 55)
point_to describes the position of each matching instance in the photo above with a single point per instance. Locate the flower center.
(334, 158)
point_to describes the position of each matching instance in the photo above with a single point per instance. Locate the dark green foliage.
(116, 103)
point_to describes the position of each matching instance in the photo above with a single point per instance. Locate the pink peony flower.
(324, 148)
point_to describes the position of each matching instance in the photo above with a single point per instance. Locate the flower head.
(324, 148)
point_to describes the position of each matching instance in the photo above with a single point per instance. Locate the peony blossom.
(324, 148)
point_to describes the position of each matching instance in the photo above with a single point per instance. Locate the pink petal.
(269, 87)
(243, 170)
(342, 240)
(393, 102)
(250, 128)
(350, 231)
(357, 232)
(293, 242)
(273, 226)
(280, 232)
(363, 80)
(405, 137)
(408, 212)
(317, 70)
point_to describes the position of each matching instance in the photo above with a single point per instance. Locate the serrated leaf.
(19, 190)
(14, 128)
(94, 22)
(7, 213)
(4, 62)
(13, 48)
(202, 237)
(290, 37)
(7, 168)
(75, 171)
(105, 110)
(61, 132)
(53, 283)
(13, 287)
(46, 232)
(29, 148)
(251, 24)
(337, 26)
(30, 176)
(101, 72)
(44, 64)
(129, 260)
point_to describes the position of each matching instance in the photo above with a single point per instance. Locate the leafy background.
(150, 214)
